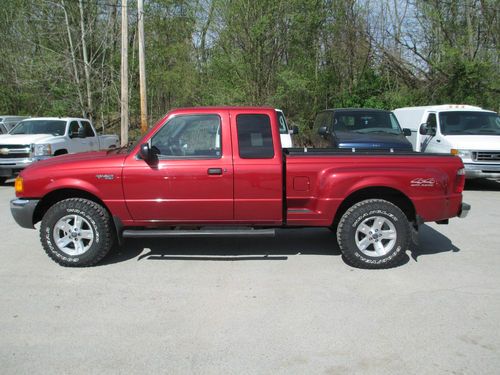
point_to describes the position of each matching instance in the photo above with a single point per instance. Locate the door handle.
(214, 171)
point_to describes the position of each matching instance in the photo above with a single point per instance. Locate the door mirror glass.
(406, 132)
(148, 154)
(323, 131)
(295, 130)
(425, 129)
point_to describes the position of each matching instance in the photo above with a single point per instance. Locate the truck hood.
(475, 142)
(84, 160)
(24, 139)
(372, 141)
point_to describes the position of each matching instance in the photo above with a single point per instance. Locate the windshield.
(366, 122)
(469, 123)
(54, 127)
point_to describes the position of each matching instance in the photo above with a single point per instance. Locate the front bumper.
(464, 210)
(473, 170)
(22, 211)
(10, 167)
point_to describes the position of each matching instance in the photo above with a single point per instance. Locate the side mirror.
(294, 130)
(147, 154)
(323, 131)
(427, 130)
(406, 132)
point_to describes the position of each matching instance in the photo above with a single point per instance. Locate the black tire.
(87, 219)
(362, 245)
(2, 180)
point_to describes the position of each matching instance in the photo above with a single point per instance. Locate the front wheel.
(76, 232)
(373, 233)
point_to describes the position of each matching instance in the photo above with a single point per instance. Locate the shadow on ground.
(312, 241)
(482, 184)
(430, 242)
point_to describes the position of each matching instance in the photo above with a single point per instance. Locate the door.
(90, 136)
(258, 178)
(76, 144)
(430, 141)
(192, 182)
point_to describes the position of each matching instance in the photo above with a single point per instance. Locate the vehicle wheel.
(2, 180)
(373, 233)
(77, 232)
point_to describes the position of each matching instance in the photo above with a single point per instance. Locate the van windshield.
(469, 123)
(366, 122)
(54, 127)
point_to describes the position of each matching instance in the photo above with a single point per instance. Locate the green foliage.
(298, 55)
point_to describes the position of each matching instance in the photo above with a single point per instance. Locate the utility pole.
(124, 76)
(142, 68)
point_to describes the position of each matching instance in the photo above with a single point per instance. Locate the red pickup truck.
(221, 171)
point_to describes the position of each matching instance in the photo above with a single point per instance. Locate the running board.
(201, 233)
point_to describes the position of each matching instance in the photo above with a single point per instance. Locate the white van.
(470, 132)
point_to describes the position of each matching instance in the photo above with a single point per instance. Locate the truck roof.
(444, 107)
(219, 108)
(354, 110)
(58, 118)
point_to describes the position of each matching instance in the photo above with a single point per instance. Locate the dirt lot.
(283, 305)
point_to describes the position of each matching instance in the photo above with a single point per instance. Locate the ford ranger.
(221, 171)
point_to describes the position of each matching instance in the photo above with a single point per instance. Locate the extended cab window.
(87, 129)
(255, 137)
(196, 136)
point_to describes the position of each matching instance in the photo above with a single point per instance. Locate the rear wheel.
(76, 232)
(374, 233)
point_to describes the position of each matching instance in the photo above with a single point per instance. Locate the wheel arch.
(392, 195)
(60, 194)
(61, 151)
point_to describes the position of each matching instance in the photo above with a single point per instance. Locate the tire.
(2, 180)
(374, 233)
(77, 232)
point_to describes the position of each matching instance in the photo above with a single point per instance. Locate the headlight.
(464, 154)
(42, 150)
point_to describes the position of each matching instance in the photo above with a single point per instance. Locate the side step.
(201, 233)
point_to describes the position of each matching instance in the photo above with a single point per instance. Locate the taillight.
(460, 180)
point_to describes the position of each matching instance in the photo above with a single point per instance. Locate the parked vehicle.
(40, 138)
(470, 132)
(360, 128)
(8, 122)
(222, 172)
(285, 132)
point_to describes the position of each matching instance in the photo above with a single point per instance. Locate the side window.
(87, 128)
(73, 127)
(197, 136)
(344, 122)
(254, 136)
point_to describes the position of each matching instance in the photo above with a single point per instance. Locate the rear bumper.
(464, 210)
(482, 170)
(22, 211)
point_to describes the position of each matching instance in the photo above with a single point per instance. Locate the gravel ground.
(257, 306)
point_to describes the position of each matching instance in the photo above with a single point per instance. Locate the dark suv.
(360, 128)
